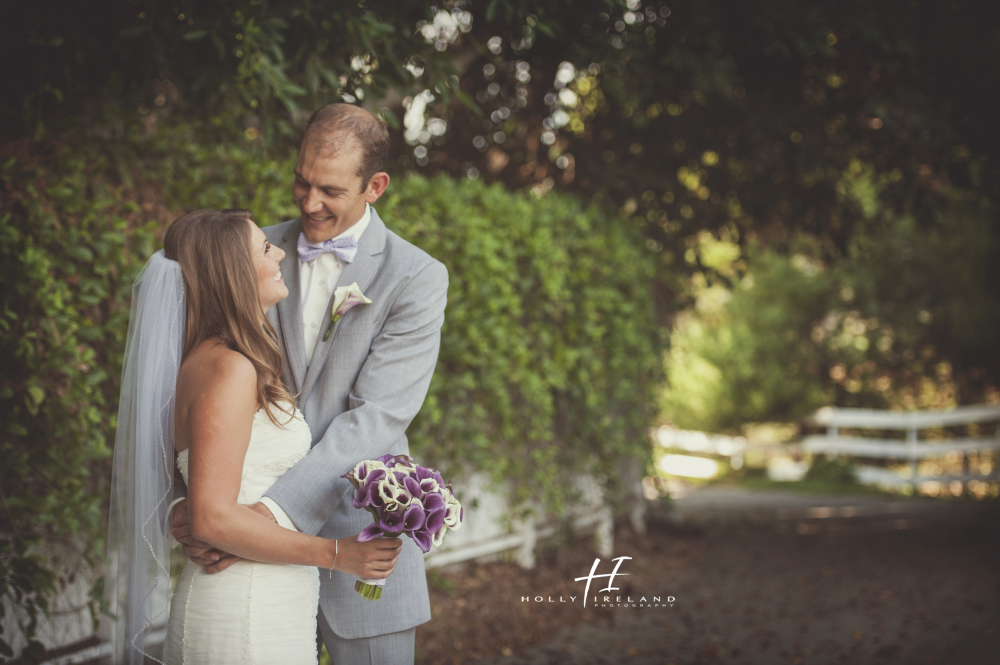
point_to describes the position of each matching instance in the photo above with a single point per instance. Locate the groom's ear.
(376, 187)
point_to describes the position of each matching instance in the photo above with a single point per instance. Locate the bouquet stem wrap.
(370, 589)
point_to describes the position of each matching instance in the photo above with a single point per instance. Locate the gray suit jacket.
(358, 395)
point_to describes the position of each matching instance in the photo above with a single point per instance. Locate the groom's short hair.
(329, 126)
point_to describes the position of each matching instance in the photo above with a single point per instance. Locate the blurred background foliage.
(801, 198)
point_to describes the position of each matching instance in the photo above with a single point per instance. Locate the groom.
(360, 380)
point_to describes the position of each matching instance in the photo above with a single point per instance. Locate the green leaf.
(389, 117)
(491, 10)
(36, 394)
(133, 31)
(545, 29)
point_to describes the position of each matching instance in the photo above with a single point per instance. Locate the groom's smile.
(328, 190)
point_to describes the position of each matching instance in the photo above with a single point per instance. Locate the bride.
(202, 378)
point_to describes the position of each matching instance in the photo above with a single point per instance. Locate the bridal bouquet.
(404, 498)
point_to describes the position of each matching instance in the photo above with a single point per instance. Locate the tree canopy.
(744, 119)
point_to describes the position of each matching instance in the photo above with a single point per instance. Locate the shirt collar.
(359, 226)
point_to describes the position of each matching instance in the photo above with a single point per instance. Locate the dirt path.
(808, 587)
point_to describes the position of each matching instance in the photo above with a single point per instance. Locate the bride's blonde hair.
(214, 250)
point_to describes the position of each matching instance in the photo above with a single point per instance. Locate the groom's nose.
(312, 202)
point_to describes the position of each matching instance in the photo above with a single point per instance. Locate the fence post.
(833, 432)
(605, 534)
(525, 556)
(631, 470)
(965, 473)
(911, 440)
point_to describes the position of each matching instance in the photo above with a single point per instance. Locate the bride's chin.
(280, 295)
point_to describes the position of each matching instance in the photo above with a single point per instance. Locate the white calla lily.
(453, 515)
(364, 469)
(345, 298)
(438, 537)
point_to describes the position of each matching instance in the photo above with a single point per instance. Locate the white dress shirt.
(317, 281)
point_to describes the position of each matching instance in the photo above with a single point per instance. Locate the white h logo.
(610, 575)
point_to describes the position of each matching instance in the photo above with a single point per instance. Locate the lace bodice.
(272, 451)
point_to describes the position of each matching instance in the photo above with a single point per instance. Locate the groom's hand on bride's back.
(199, 552)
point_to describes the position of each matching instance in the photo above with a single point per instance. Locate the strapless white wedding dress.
(250, 613)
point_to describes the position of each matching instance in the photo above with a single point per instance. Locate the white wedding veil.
(137, 581)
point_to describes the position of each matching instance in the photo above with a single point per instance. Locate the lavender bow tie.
(344, 248)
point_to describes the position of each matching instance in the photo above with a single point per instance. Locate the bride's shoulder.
(214, 359)
(213, 373)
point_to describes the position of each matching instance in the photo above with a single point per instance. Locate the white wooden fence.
(703, 444)
(483, 532)
(913, 448)
(70, 620)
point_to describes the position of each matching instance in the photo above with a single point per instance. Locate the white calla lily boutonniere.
(345, 298)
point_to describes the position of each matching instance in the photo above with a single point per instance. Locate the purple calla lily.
(374, 498)
(361, 499)
(413, 487)
(385, 459)
(423, 473)
(414, 518)
(423, 540)
(370, 532)
(435, 519)
(433, 501)
(391, 522)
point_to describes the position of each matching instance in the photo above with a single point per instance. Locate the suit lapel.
(290, 309)
(362, 270)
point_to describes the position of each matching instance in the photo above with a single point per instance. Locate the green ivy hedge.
(70, 246)
(549, 360)
(549, 351)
